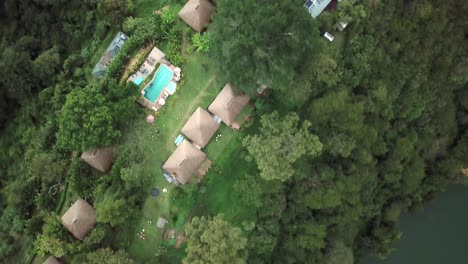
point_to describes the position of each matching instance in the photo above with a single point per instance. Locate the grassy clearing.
(199, 88)
(220, 196)
(340, 39)
(215, 148)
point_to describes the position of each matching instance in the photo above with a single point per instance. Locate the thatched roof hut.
(184, 162)
(200, 127)
(51, 260)
(197, 14)
(228, 104)
(99, 158)
(79, 219)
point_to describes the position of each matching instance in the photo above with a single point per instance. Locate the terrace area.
(162, 85)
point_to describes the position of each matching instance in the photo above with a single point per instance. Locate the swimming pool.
(138, 81)
(162, 76)
(171, 87)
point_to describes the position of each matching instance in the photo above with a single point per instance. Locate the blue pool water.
(161, 78)
(138, 81)
(171, 87)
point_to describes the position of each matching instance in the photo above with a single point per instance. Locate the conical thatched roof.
(197, 14)
(228, 104)
(79, 219)
(184, 162)
(100, 158)
(200, 127)
(51, 260)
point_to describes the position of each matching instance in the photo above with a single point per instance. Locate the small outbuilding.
(51, 260)
(228, 105)
(197, 14)
(184, 162)
(316, 7)
(341, 25)
(161, 222)
(79, 219)
(328, 36)
(100, 158)
(200, 127)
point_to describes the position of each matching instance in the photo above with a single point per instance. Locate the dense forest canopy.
(350, 136)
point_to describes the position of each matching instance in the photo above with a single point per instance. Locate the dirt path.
(133, 60)
(189, 110)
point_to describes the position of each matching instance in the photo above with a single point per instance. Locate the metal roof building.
(119, 40)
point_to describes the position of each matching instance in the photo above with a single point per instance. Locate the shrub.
(82, 178)
(201, 43)
(174, 54)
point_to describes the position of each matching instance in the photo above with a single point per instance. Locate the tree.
(133, 176)
(15, 72)
(213, 240)
(94, 238)
(130, 24)
(338, 122)
(14, 191)
(283, 137)
(121, 102)
(339, 253)
(316, 74)
(7, 245)
(82, 178)
(46, 64)
(107, 256)
(85, 120)
(54, 239)
(201, 43)
(249, 190)
(117, 10)
(262, 42)
(112, 210)
(302, 243)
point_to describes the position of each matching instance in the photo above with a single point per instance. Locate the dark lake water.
(438, 235)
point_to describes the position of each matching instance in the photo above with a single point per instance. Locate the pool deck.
(155, 106)
(156, 56)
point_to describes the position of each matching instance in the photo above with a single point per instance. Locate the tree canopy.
(213, 240)
(262, 42)
(287, 140)
(108, 256)
(85, 120)
(352, 134)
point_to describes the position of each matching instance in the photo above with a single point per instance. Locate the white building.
(316, 7)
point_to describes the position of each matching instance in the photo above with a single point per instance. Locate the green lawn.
(199, 87)
(340, 38)
(220, 197)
